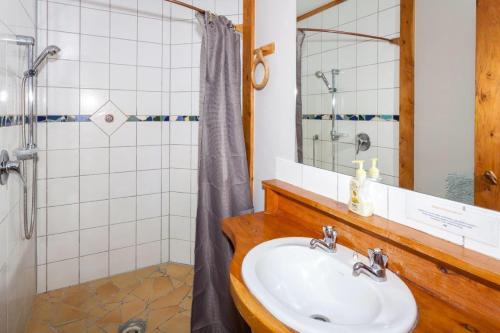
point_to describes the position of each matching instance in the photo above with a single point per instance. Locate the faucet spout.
(329, 243)
(376, 270)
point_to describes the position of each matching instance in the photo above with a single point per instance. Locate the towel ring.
(259, 59)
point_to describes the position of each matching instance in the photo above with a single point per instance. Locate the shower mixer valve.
(7, 167)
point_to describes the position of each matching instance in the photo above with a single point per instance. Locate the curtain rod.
(183, 4)
(340, 32)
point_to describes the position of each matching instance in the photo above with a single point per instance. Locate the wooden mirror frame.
(406, 94)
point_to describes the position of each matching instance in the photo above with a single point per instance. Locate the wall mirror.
(396, 80)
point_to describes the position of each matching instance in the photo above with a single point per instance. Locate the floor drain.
(133, 326)
(320, 318)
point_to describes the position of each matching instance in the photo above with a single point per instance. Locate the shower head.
(321, 75)
(50, 50)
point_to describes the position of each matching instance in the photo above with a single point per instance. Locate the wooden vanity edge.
(471, 263)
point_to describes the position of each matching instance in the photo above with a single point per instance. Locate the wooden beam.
(319, 9)
(406, 94)
(247, 87)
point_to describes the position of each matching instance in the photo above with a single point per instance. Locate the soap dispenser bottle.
(360, 199)
(374, 172)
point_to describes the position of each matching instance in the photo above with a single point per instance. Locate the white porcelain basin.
(296, 283)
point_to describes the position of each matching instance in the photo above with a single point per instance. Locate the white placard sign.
(464, 220)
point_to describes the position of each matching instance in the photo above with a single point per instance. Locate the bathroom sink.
(314, 291)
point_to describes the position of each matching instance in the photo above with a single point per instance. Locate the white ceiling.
(303, 6)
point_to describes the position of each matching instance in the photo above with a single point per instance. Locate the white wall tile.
(180, 228)
(123, 26)
(62, 274)
(180, 251)
(93, 240)
(93, 188)
(62, 101)
(180, 204)
(94, 75)
(148, 182)
(148, 133)
(95, 49)
(63, 73)
(121, 260)
(62, 163)
(180, 180)
(92, 137)
(62, 191)
(122, 235)
(148, 254)
(63, 18)
(148, 157)
(122, 159)
(123, 51)
(148, 230)
(93, 267)
(94, 161)
(122, 210)
(62, 246)
(62, 135)
(95, 22)
(148, 206)
(62, 219)
(93, 214)
(319, 181)
(67, 42)
(123, 184)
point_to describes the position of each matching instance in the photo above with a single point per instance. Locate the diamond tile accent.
(109, 118)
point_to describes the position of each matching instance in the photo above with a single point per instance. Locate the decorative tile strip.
(13, 120)
(353, 117)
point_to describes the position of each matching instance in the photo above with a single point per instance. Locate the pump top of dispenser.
(360, 171)
(374, 172)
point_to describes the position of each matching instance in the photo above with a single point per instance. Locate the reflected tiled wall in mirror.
(367, 87)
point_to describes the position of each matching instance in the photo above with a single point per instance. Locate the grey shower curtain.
(298, 98)
(223, 185)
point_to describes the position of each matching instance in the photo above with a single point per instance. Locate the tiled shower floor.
(161, 295)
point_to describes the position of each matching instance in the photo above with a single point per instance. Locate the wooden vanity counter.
(456, 289)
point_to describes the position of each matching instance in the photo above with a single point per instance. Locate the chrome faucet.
(376, 270)
(329, 243)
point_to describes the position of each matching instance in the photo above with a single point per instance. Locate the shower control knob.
(109, 118)
(7, 167)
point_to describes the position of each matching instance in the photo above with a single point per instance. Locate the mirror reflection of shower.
(332, 89)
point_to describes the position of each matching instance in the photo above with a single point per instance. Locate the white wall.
(275, 105)
(17, 255)
(445, 37)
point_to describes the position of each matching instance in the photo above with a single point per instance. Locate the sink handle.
(377, 257)
(330, 233)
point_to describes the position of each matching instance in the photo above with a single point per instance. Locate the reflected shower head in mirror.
(50, 50)
(321, 75)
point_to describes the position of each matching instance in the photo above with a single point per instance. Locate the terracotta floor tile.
(100, 306)
(178, 271)
(35, 326)
(177, 324)
(158, 317)
(173, 298)
(132, 309)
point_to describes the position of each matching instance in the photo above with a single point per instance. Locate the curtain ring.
(259, 59)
